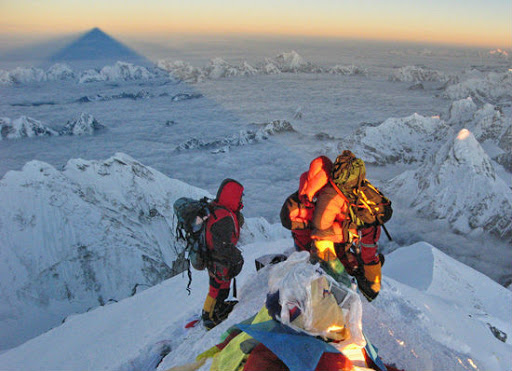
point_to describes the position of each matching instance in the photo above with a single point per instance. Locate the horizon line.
(140, 37)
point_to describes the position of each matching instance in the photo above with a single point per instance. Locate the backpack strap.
(339, 191)
(351, 234)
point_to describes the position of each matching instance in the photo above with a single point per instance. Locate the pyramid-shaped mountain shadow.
(96, 49)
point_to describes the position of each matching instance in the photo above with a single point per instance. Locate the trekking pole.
(234, 287)
(387, 233)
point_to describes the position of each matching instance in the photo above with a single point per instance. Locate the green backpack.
(371, 207)
(368, 206)
(348, 172)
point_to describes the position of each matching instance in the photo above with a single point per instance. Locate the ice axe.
(387, 233)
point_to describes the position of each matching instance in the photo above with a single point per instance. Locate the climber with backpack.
(336, 214)
(347, 221)
(212, 235)
(297, 210)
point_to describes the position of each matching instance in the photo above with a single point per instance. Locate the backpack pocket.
(228, 257)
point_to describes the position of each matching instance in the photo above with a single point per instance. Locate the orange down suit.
(331, 222)
(330, 218)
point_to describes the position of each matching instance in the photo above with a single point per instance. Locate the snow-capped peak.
(408, 139)
(85, 124)
(468, 153)
(459, 183)
(24, 127)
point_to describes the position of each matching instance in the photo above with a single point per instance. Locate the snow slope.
(433, 313)
(76, 238)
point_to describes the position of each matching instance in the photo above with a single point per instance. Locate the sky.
(469, 22)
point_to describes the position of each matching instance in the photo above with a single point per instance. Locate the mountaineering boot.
(219, 314)
(369, 283)
(208, 323)
(207, 314)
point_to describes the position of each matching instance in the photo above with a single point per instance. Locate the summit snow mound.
(459, 184)
(444, 305)
(446, 316)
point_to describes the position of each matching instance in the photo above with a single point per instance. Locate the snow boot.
(369, 282)
(208, 322)
(219, 313)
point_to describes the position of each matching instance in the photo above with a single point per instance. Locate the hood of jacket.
(315, 178)
(230, 195)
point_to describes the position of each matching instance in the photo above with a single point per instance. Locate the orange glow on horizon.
(379, 21)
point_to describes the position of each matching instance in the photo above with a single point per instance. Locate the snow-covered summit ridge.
(452, 316)
(85, 124)
(480, 85)
(499, 53)
(27, 127)
(492, 87)
(121, 71)
(97, 230)
(487, 122)
(417, 74)
(456, 179)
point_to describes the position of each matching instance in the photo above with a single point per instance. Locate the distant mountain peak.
(97, 49)
(459, 183)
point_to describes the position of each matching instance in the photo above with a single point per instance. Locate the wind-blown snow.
(445, 316)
